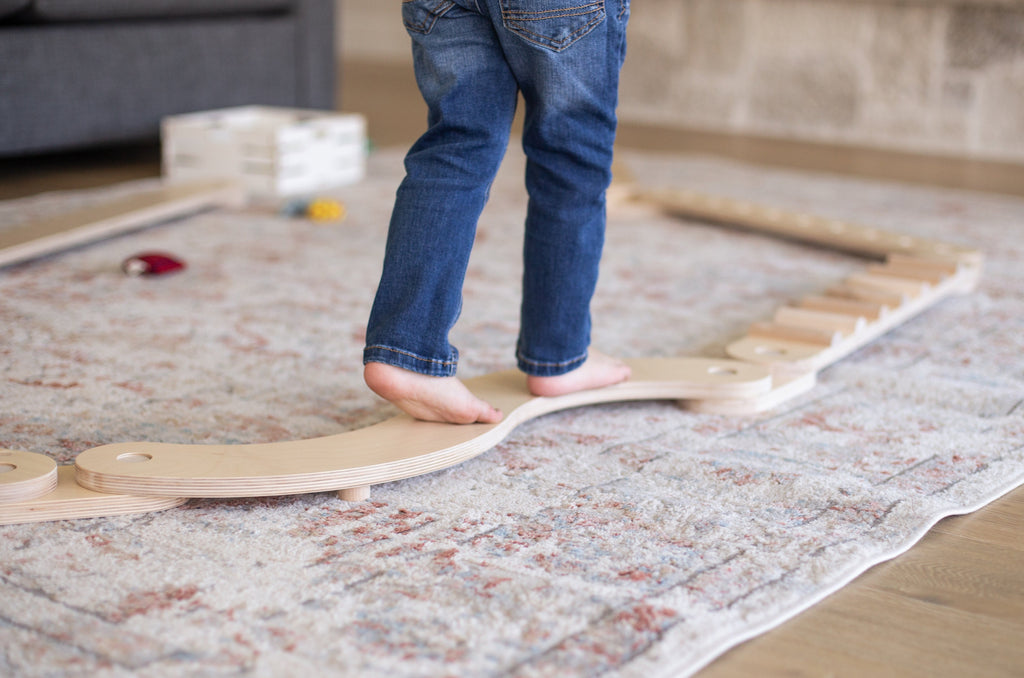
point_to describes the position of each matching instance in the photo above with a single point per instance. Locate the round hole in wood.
(719, 370)
(133, 457)
(7, 468)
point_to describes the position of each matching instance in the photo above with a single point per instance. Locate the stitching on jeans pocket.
(553, 24)
(421, 15)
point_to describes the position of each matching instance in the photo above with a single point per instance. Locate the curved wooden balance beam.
(400, 447)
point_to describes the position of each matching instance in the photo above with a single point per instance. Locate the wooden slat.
(46, 236)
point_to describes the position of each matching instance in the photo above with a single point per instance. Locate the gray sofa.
(81, 73)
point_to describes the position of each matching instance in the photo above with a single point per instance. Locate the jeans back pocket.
(420, 15)
(552, 24)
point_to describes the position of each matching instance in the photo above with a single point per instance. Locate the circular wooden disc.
(25, 475)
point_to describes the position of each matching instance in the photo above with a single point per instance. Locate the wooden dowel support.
(354, 493)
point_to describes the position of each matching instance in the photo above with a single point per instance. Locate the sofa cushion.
(89, 10)
(8, 7)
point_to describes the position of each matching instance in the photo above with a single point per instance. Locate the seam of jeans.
(411, 355)
(563, 363)
(544, 40)
(540, 15)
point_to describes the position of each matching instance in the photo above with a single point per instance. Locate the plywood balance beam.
(398, 448)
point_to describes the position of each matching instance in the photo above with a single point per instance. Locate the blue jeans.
(472, 58)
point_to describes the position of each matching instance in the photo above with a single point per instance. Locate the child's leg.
(567, 64)
(471, 97)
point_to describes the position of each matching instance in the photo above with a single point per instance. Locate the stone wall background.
(932, 76)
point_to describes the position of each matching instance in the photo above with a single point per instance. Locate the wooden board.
(46, 236)
(400, 447)
(69, 500)
(832, 233)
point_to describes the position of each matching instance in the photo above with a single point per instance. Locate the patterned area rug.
(633, 539)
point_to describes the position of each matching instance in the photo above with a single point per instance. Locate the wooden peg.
(848, 290)
(852, 307)
(909, 288)
(805, 335)
(946, 266)
(813, 319)
(354, 493)
(908, 272)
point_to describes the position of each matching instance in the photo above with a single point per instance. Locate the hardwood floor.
(952, 606)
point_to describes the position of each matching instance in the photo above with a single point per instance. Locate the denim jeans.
(472, 58)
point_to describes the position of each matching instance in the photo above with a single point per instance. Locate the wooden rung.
(938, 265)
(870, 294)
(868, 310)
(802, 335)
(354, 493)
(908, 272)
(819, 320)
(888, 283)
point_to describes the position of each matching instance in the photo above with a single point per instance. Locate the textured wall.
(939, 76)
(932, 76)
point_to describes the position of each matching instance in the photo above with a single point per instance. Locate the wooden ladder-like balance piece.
(774, 362)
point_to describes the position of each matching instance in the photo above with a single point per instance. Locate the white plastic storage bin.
(271, 152)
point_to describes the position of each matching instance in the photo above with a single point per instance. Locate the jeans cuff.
(411, 361)
(539, 368)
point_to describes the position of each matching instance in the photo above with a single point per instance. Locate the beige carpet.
(633, 539)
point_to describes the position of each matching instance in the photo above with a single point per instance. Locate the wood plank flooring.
(952, 606)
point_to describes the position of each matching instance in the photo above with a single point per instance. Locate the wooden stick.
(117, 216)
(832, 233)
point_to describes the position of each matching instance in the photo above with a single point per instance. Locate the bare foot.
(598, 370)
(444, 399)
